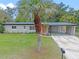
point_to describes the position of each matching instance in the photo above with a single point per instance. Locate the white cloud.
(2, 6)
(10, 5)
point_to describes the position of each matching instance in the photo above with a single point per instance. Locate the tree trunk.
(38, 29)
(39, 42)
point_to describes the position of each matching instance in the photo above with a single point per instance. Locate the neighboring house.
(51, 27)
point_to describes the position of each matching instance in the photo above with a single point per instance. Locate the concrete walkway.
(69, 43)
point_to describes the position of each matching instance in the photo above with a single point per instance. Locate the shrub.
(1, 28)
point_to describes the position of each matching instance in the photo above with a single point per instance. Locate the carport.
(62, 27)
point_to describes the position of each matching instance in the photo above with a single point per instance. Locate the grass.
(24, 46)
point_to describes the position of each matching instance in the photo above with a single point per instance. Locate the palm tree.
(40, 9)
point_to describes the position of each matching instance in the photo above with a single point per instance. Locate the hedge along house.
(51, 27)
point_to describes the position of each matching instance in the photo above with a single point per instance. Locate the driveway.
(69, 43)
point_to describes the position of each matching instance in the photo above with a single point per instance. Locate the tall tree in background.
(4, 17)
(47, 8)
(62, 11)
(11, 12)
(76, 14)
(66, 14)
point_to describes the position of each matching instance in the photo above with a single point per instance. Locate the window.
(24, 27)
(32, 28)
(13, 27)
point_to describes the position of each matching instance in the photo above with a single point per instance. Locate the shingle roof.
(61, 24)
(48, 23)
(18, 23)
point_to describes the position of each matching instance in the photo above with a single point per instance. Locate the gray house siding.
(19, 28)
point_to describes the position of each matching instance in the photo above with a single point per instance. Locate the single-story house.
(50, 27)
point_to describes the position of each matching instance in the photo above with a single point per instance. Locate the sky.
(71, 3)
(8, 1)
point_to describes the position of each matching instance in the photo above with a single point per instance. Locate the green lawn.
(24, 46)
